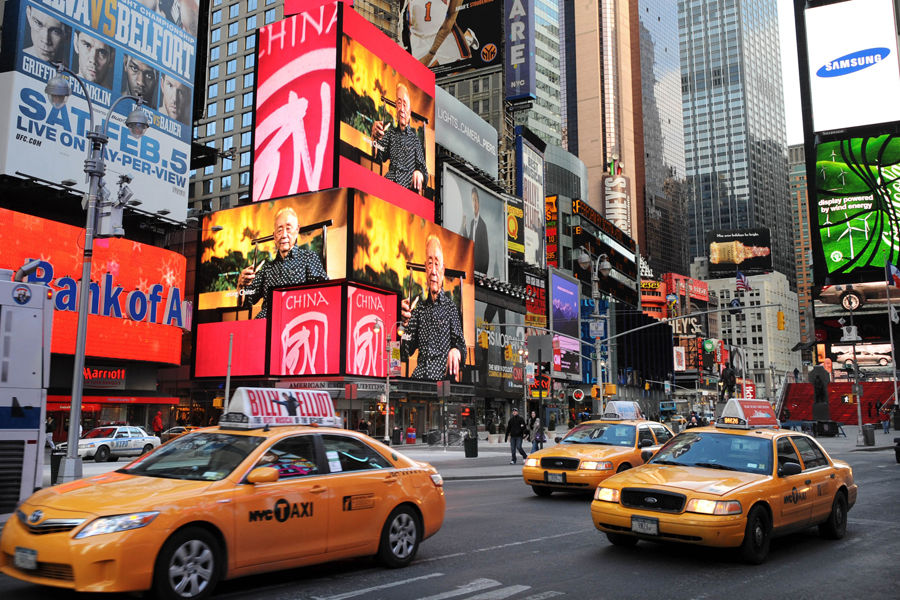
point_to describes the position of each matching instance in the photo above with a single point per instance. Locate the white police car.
(109, 442)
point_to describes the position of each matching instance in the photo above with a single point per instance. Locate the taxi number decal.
(795, 497)
(359, 502)
(283, 511)
(120, 444)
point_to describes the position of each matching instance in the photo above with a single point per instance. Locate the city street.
(501, 541)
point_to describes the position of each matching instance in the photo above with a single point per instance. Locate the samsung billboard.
(854, 72)
(115, 48)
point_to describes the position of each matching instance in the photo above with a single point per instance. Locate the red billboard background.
(306, 331)
(371, 316)
(130, 278)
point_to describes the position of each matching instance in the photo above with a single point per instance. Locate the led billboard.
(530, 187)
(854, 72)
(116, 48)
(461, 131)
(452, 36)
(746, 250)
(519, 57)
(475, 212)
(339, 104)
(136, 309)
(564, 304)
(566, 357)
(853, 213)
(500, 366)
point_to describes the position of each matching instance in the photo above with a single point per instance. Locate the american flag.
(892, 274)
(741, 282)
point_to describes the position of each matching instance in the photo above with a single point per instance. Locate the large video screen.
(854, 211)
(564, 304)
(505, 330)
(115, 48)
(567, 357)
(854, 72)
(386, 117)
(432, 270)
(746, 250)
(478, 214)
(453, 36)
(136, 309)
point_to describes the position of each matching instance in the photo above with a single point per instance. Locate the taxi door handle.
(317, 489)
(391, 478)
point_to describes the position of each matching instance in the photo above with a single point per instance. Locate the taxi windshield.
(197, 456)
(100, 432)
(608, 434)
(713, 450)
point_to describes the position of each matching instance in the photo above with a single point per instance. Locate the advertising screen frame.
(565, 295)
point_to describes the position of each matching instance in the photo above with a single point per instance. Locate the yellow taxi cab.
(267, 489)
(735, 484)
(594, 450)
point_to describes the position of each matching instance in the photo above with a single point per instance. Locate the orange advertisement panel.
(136, 309)
(390, 252)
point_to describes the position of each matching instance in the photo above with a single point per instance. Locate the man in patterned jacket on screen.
(402, 146)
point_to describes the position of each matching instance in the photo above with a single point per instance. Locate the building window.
(209, 170)
(231, 66)
(208, 186)
(245, 159)
(245, 178)
(248, 80)
(270, 16)
(250, 42)
(248, 100)
(234, 10)
(227, 143)
(213, 90)
(216, 17)
(245, 138)
(215, 35)
(226, 182)
(247, 119)
(251, 22)
(228, 124)
(214, 53)
(229, 104)
(214, 72)
(211, 109)
(233, 29)
(252, 5)
(232, 48)
(249, 61)
(229, 85)
(210, 128)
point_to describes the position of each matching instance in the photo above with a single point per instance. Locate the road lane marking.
(365, 591)
(473, 586)
(544, 595)
(501, 546)
(502, 593)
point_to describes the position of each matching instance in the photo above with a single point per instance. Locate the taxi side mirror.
(557, 439)
(647, 455)
(263, 475)
(789, 468)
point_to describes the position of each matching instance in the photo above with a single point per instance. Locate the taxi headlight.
(117, 523)
(594, 465)
(605, 494)
(713, 507)
(531, 462)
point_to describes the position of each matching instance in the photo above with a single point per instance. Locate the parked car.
(174, 432)
(110, 442)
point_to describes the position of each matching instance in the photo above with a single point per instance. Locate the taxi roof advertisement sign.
(116, 47)
(256, 407)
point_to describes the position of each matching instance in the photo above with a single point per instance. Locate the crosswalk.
(477, 589)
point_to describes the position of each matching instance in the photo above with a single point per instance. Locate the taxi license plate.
(645, 525)
(556, 477)
(25, 559)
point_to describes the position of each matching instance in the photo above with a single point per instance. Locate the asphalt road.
(500, 541)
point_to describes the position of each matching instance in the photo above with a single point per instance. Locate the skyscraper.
(734, 132)
(802, 246)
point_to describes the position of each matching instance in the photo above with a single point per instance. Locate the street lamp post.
(58, 90)
(398, 326)
(601, 266)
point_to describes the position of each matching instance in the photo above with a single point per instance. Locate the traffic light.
(848, 399)
(780, 320)
(595, 391)
(483, 339)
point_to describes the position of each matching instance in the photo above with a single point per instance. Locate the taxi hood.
(582, 451)
(685, 479)
(116, 493)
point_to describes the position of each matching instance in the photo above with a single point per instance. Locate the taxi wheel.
(755, 547)
(188, 566)
(102, 454)
(835, 527)
(147, 448)
(399, 538)
(623, 467)
(620, 539)
(541, 490)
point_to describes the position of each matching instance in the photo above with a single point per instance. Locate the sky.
(789, 74)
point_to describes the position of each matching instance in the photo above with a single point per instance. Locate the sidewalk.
(492, 461)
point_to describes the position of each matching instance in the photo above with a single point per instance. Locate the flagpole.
(887, 292)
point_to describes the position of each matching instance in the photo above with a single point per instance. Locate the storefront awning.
(93, 403)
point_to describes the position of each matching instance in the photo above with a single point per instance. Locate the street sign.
(578, 395)
(668, 388)
(597, 328)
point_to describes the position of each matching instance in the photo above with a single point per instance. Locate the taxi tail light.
(593, 465)
(437, 480)
(605, 494)
(713, 507)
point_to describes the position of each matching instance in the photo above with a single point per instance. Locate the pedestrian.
(515, 431)
(363, 427)
(157, 424)
(537, 433)
(886, 419)
(49, 427)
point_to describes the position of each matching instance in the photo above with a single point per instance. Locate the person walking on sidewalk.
(886, 419)
(515, 431)
(157, 425)
(537, 432)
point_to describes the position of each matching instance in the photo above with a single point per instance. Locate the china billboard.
(135, 310)
(854, 71)
(475, 212)
(115, 48)
(339, 104)
(452, 36)
(853, 214)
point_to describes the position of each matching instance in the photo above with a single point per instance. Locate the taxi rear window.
(606, 434)
(197, 456)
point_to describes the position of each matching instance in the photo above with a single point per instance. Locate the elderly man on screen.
(401, 146)
(434, 327)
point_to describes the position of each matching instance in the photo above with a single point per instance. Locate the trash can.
(55, 459)
(396, 437)
(470, 443)
(868, 434)
(410, 435)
